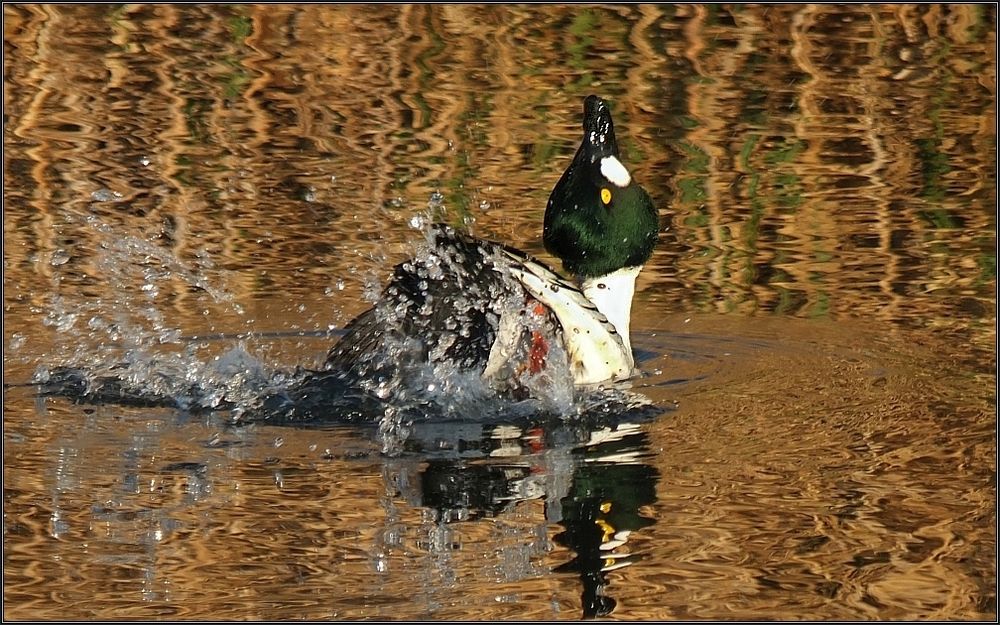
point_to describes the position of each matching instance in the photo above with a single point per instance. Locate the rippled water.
(817, 327)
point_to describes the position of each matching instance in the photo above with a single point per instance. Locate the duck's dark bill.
(599, 130)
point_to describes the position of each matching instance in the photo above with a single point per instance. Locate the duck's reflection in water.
(591, 476)
(599, 513)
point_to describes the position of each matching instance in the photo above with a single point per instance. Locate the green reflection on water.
(240, 27)
(581, 27)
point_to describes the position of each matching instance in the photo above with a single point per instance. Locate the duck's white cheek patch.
(613, 170)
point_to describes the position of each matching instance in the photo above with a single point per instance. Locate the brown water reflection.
(822, 308)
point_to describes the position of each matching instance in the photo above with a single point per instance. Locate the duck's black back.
(443, 306)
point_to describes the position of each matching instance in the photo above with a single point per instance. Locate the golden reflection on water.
(827, 178)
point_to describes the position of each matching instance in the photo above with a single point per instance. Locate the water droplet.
(436, 201)
(145, 161)
(62, 321)
(278, 441)
(42, 375)
(484, 205)
(383, 391)
(417, 222)
(309, 194)
(16, 341)
(105, 195)
(169, 336)
(59, 257)
(340, 285)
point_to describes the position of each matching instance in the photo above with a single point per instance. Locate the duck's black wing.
(447, 305)
(444, 305)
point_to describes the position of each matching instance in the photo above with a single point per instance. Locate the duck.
(480, 306)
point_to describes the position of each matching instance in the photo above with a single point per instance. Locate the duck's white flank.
(612, 294)
(613, 170)
(596, 350)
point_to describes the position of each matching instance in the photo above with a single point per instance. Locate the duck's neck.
(612, 294)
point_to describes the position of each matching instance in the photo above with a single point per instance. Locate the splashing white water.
(138, 348)
(127, 335)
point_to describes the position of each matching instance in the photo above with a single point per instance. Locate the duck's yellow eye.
(606, 196)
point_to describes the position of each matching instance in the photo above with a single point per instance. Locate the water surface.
(817, 326)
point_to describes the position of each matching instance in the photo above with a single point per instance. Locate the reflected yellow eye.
(606, 196)
(607, 530)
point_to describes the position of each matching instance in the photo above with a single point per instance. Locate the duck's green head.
(598, 219)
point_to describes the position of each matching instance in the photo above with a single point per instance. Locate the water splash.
(141, 359)
(126, 343)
